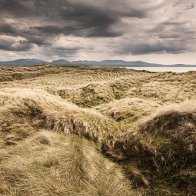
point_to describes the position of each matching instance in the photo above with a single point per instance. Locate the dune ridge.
(127, 145)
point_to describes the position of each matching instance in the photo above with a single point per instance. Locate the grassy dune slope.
(96, 131)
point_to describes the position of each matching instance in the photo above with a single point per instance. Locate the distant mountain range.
(25, 62)
(120, 63)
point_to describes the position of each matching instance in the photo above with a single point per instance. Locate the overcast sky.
(160, 31)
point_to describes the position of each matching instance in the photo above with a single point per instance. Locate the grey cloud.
(157, 49)
(8, 29)
(68, 17)
(181, 34)
(60, 52)
(14, 8)
(21, 45)
(171, 44)
(39, 22)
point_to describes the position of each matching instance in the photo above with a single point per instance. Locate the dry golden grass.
(96, 131)
(128, 110)
(38, 109)
(54, 164)
(163, 149)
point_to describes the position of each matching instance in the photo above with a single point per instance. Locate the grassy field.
(96, 131)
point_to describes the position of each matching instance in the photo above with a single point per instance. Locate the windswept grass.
(128, 110)
(38, 109)
(96, 131)
(54, 164)
(163, 149)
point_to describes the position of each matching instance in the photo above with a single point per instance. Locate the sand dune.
(113, 137)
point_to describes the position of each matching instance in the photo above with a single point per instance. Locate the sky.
(159, 31)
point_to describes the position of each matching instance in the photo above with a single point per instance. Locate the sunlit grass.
(96, 131)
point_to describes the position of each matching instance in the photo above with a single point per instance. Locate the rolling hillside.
(96, 131)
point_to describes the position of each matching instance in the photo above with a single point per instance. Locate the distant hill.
(128, 63)
(60, 62)
(121, 63)
(24, 62)
(85, 62)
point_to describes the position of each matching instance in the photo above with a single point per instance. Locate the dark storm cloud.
(94, 31)
(14, 8)
(65, 17)
(8, 29)
(156, 49)
(28, 34)
(80, 21)
(41, 22)
(21, 45)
